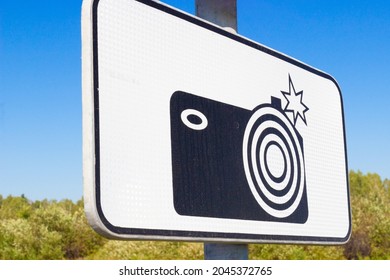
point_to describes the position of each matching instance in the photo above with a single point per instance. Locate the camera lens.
(273, 161)
(274, 155)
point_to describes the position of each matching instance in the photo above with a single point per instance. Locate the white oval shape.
(188, 112)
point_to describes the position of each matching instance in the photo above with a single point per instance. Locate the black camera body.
(233, 163)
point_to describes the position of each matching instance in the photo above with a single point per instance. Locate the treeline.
(59, 230)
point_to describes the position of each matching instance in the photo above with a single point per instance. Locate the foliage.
(370, 202)
(45, 230)
(59, 230)
(149, 250)
(295, 252)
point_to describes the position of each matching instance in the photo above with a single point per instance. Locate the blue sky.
(40, 81)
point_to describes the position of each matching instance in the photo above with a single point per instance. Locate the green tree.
(370, 202)
(148, 250)
(21, 240)
(14, 207)
(45, 230)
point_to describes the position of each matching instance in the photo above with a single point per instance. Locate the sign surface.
(194, 133)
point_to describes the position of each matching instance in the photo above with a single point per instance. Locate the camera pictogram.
(229, 162)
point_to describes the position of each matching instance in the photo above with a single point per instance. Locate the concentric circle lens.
(273, 162)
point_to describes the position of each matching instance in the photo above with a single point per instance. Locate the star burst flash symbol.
(294, 102)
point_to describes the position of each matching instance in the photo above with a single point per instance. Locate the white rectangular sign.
(194, 133)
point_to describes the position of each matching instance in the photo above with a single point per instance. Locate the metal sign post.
(220, 12)
(224, 14)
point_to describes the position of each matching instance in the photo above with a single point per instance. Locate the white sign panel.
(194, 133)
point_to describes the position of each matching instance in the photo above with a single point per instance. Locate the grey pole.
(224, 14)
(225, 251)
(220, 12)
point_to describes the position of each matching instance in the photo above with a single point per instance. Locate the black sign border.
(137, 233)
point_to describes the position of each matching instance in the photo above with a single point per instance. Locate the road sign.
(191, 132)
